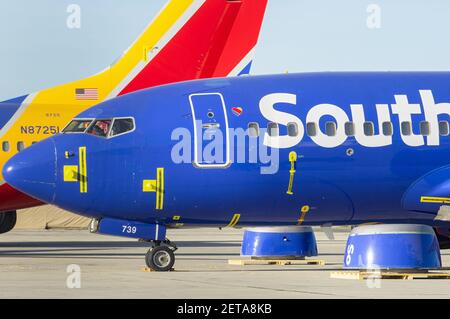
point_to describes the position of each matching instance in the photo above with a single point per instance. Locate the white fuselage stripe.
(245, 61)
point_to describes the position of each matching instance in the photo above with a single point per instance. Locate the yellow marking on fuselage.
(83, 170)
(71, 173)
(178, 218)
(437, 200)
(305, 209)
(149, 185)
(160, 189)
(234, 220)
(293, 161)
(57, 106)
(156, 186)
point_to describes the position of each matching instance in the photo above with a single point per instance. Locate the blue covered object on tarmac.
(288, 242)
(392, 247)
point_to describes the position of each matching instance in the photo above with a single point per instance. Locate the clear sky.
(38, 50)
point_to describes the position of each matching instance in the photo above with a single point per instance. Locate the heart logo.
(237, 111)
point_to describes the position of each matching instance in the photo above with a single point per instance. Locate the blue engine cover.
(126, 228)
(392, 247)
(279, 242)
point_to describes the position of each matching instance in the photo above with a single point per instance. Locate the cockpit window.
(100, 128)
(77, 126)
(122, 126)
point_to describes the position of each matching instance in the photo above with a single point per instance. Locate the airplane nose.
(33, 170)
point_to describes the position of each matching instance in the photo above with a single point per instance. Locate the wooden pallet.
(385, 274)
(282, 262)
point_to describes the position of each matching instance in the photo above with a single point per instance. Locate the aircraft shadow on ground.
(112, 244)
(97, 249)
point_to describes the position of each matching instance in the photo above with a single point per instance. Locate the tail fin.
(188, 39)
(235, 55)
(211, 38)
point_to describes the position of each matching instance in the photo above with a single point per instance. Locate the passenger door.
(211, 130)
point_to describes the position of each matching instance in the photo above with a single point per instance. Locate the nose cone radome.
(33, 171)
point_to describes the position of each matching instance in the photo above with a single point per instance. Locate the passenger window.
(122, 126)
(443, 128)
(387, 129)
(253, 129)
(425, 128)
(406, 128)
(20, 146)
(273, 129)
(311, 129)
(349, 129)
(5, 146)
(330, 128)
(292, 129)
(77, 126)
(100, 128)
(368, 129)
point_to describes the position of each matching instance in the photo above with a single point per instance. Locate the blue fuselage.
(340, 139)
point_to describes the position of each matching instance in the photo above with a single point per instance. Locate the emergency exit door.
(211, 132)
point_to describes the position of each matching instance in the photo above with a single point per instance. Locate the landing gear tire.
(7, 221)
(160, 258)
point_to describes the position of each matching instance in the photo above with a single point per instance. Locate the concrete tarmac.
(34, 264)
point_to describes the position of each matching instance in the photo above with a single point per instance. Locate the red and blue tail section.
(218, 40)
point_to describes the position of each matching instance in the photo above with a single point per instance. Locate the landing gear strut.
(161, 256)
(7, 221)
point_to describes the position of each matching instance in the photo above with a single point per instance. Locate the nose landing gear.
(161, 256)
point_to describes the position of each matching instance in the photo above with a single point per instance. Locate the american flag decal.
(86, 94)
